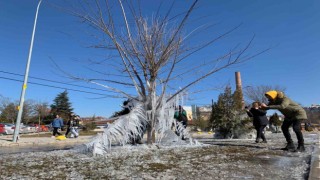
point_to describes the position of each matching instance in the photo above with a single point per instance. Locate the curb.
(314, 173)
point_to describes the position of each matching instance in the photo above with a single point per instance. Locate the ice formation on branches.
(131, 126)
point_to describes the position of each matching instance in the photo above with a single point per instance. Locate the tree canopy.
(61, 105)
(227, 116)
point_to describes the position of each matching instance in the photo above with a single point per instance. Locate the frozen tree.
(151, 54)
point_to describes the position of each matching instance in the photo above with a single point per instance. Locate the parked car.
(8, 128)
(36, 127)
(2, 130)
(50, 128)
(41, 128)
(44, 128)
(28, 129)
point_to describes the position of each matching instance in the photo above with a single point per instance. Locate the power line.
(61, 87)
(55, 81)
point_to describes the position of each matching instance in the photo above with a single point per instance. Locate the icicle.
(126, 128)
(131, 126)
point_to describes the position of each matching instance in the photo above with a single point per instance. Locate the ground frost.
(220, 160)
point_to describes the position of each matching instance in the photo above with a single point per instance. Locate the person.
(308, 126)
(72, 126)
(294, 115)
(260, 120)
(56, 124)
(181, 116)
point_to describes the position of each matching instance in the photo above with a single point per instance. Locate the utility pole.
(24, 87)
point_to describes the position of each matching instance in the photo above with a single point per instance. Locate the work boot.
(289, 147)
(264, 141)
(300, 148)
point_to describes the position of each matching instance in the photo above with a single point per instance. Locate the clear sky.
(290, 27)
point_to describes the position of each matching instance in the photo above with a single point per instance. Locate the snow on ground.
(216, 159)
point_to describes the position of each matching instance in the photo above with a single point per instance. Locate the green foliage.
(238, 102)
(9, 113)
(227, 116)
(90, 125)
(313, 115)
(275, 120)
(48, 119)
(62, 105)
(201, 123)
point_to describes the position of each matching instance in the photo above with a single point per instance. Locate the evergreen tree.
(238, 100)
(62, 105)
(275, 120)
(227, 115)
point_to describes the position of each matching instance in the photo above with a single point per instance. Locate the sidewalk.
(315, 163)
(6, 141)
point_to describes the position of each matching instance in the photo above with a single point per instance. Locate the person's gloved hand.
(264, 106)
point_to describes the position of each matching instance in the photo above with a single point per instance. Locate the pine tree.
(238, 100)
(62, 105)
(227, 115)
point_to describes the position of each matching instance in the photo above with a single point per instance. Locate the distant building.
(188, 109)
(99, 120)
(204, 112)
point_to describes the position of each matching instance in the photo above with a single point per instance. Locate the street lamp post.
(24, 87)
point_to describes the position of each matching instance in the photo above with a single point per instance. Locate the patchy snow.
(216, 159)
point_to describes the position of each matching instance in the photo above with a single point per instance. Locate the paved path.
(6, 141)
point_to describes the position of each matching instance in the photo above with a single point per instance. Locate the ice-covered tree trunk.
(151, 112)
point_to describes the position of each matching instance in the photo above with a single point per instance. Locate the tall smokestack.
(239, 87)
(238, 81)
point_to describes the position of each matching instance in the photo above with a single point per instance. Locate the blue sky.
(291, 28)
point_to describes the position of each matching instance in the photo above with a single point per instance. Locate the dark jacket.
(259, 117)
(275, 120)
(71, 123)
(181, 115)
(289, 108)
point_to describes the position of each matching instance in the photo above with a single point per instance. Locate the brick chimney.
(238, 81)
(239, 86)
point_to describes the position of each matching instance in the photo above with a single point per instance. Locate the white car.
(28, 129)
(8, 128)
